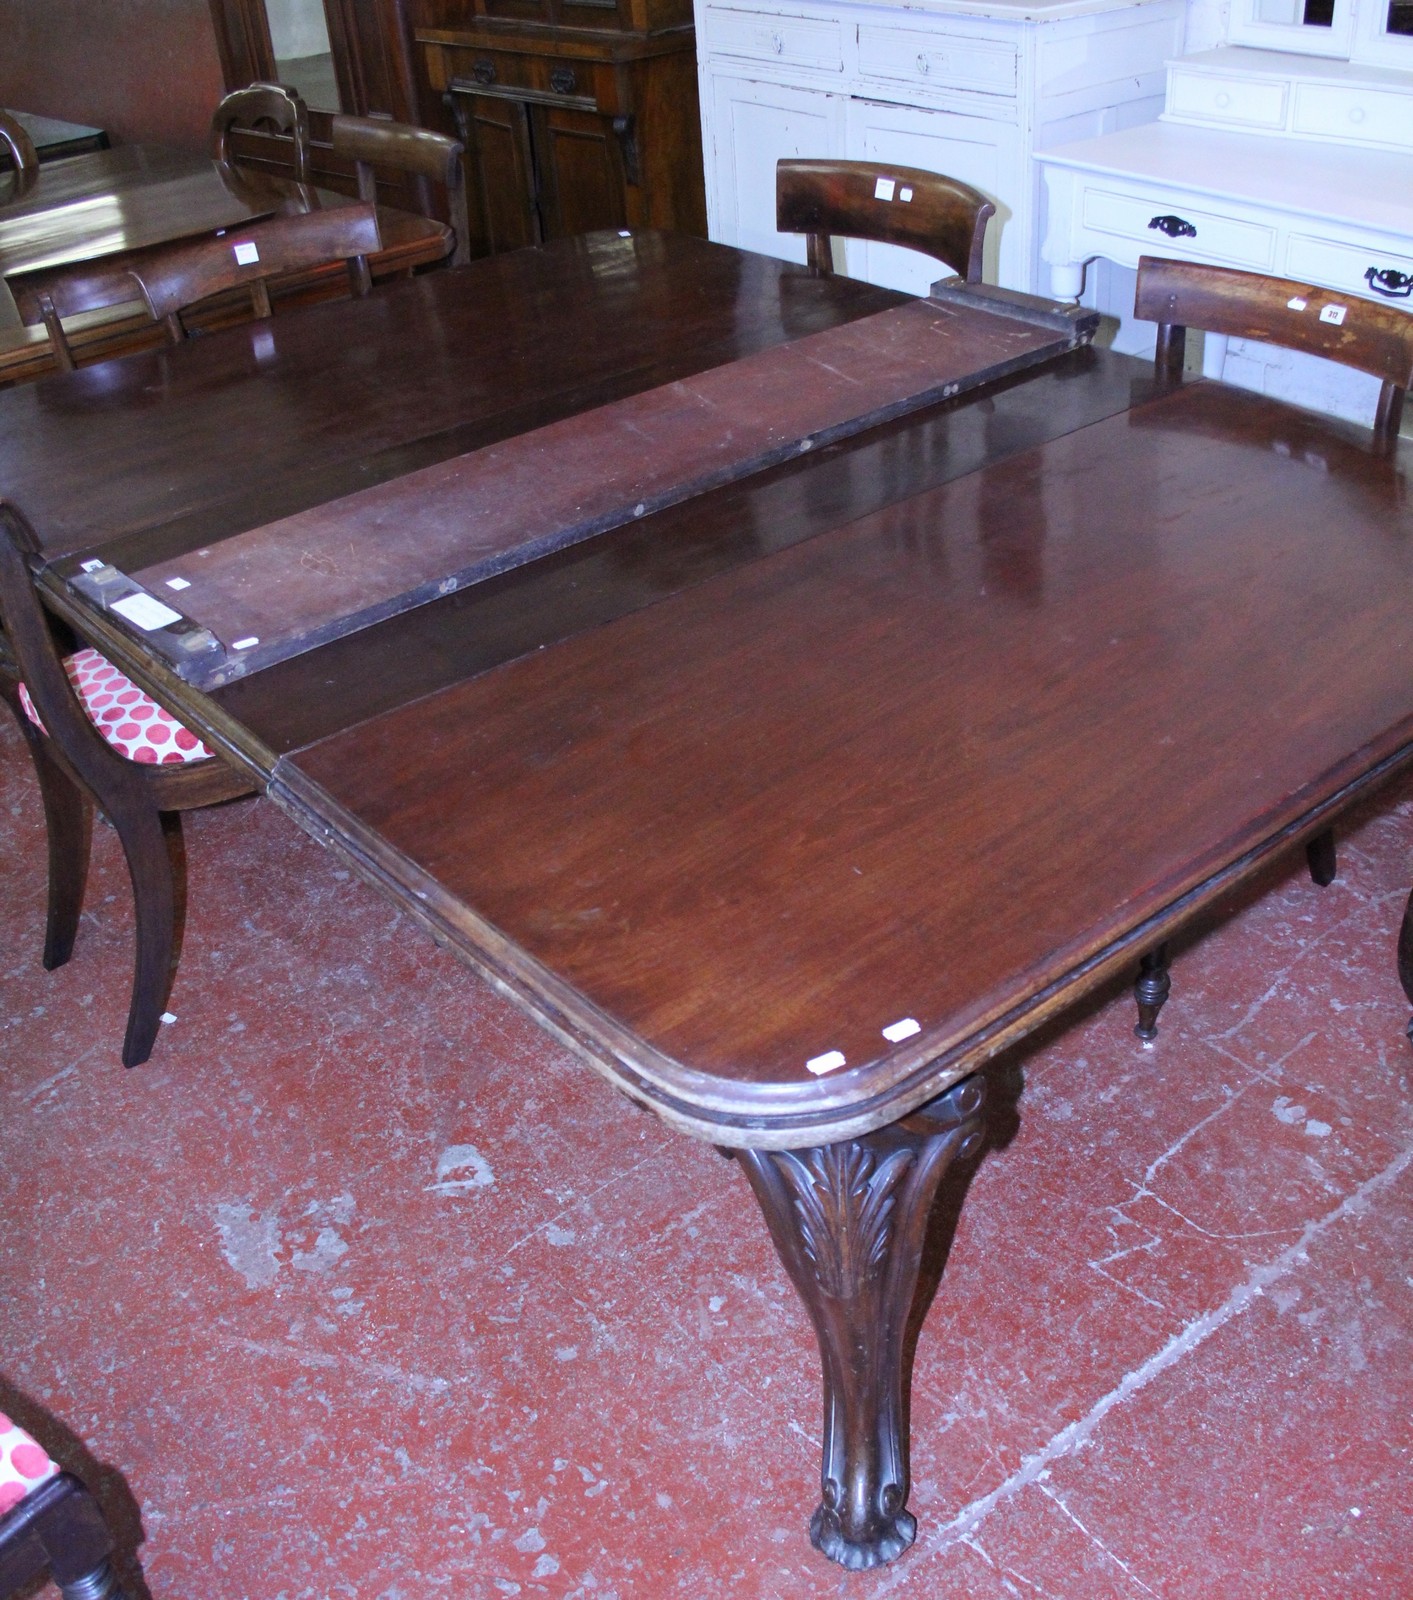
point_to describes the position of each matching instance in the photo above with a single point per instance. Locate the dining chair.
(24, 158)
(1364, 334)
(93, 288)
(171, 280)
(905, 206)
(109, 741)
(377, 144)
(50, 1523)
(262, 107)
(1368, 335)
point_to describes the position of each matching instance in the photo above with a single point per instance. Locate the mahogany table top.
(938, 726)
(937, 767)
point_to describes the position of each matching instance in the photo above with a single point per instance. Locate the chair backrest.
(90, 289)
(890, 205)
(375, 142)
(249, 257)
(268, 106)
(1373, 338)
(22, 154)
(30, 637)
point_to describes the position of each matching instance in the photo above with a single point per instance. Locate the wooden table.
(791, 806)
(118, 205)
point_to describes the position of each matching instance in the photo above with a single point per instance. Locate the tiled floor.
(363, 1287)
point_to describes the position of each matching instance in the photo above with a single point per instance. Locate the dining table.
(811, 769)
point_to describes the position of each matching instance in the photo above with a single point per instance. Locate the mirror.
(304, 58)
(1314, 27)
(1296, 13)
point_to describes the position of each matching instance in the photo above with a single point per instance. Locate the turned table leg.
(1151, 992)
(1405, 959)
(849, 1221)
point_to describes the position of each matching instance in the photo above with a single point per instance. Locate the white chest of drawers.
(971, 88)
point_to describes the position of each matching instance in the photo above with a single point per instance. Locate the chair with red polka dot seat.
(96, 735)
(49, 1522)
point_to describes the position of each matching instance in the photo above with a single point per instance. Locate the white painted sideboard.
(1272, 161)
(970, 88)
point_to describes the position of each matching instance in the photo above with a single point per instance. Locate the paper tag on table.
(146, 613)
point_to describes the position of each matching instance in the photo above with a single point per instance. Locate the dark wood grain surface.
(300, 582)
(931, 764)
(353, 393)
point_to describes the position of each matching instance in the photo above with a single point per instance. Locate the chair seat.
(133, 723)
(23, 1465)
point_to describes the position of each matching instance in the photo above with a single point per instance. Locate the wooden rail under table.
(791, 805)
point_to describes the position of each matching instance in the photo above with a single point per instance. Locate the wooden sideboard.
(576, 114)
(971, 88)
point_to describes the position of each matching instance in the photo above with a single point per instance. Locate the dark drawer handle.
(483, 71)
(1387, 281)
(563, 81)
(1174, 227)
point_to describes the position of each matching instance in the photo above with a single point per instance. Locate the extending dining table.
(791, 801)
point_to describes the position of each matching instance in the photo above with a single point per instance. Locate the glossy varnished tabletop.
(946, 761)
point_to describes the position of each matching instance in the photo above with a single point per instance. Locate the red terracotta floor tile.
(364, 1287)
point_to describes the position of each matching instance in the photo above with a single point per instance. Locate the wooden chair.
(374, 143)
(1358, 333)
(92, 289)
(1364, 334)
(23, 156)
(249, 257)
(268, 107)
(50, 1523)
(99, 736)
(905, 206)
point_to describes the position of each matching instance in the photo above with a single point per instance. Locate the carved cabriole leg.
(1405, 959)
(849, 1221)
(1151, 992)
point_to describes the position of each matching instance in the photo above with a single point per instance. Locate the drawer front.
(773, 37)
(1241, 102)
(1215, 237)
(507, 74)
(936, 60)
(1366, 115)
(1336, 265)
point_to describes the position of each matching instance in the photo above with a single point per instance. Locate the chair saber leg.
(152, 843)
(1151, 992)
(848, 1221)
(69, 819)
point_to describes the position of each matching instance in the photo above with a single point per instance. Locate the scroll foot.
(849, 1222)
(1151, 992)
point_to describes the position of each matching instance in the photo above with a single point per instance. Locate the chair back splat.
(905, 206)
(266, 107)
(249, 257)
(1358, 333)
(374, 143)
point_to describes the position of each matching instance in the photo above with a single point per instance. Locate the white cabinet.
(1280, 163)
(970, 88)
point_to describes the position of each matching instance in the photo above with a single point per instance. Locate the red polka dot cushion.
(136, 726)
(23, 1465)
